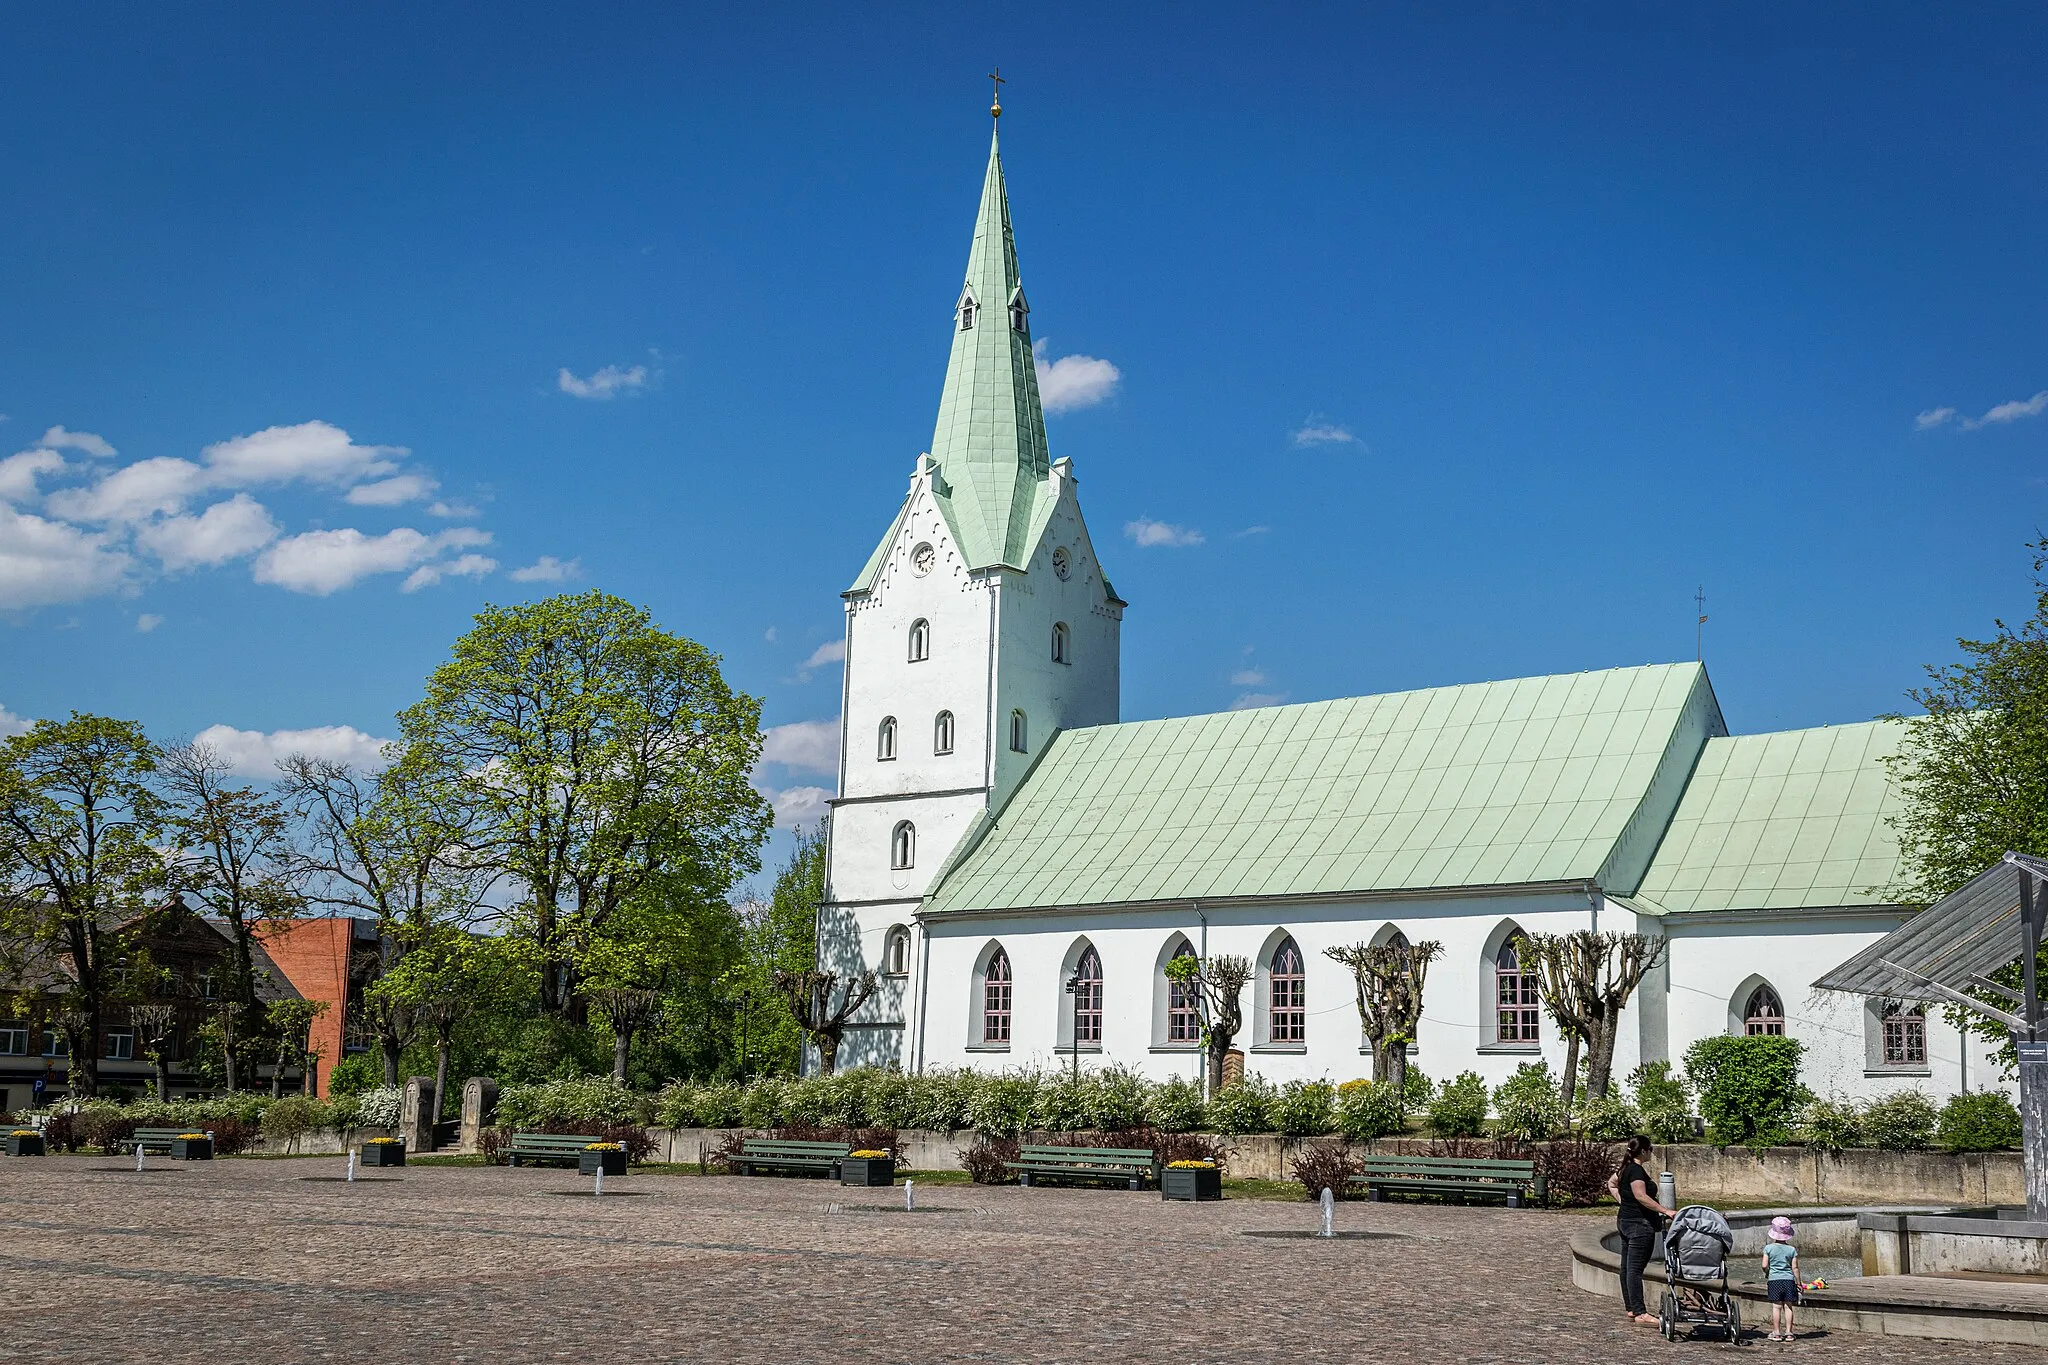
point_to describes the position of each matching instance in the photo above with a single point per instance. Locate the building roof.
(1534, 780)
(989, 443)
(1782, 821)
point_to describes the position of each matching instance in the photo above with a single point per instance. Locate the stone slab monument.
(416, 1114)
(479, 1107)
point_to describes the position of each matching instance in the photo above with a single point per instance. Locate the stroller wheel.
(1734, 1321)
(1667, 1317)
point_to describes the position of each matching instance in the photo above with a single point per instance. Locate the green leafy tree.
(290, 1023)
(1748, 1087)
(586, 754)
(80, 866)
(780, 936)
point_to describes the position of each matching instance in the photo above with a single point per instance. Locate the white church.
(1000, 832)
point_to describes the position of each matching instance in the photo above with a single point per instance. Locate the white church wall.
(1718, 959)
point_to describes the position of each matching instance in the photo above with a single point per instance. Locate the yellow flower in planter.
(191, 1137)
(869, 1155)
(381, 1141)
(1190, 1165)
(24, 1132)
(603, 1147)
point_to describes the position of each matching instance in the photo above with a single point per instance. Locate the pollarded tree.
(1389, 978)
(627, 1010)
(1219, 982)
(822, 1003)
(586, 755)
(156, 1033)
(80, 864)
(1586, 978)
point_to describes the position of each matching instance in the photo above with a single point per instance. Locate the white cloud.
(1149, 533)
(1247, 677)
(56, 438)
(463, 566)
(11, 724)
(227, 530)
(1315, 432)
(148, 622)
(318, 452)
(452, 511)
(608, 382)
(43, 563)
(811, 745)
(1998, 416)
(256, 754)
(322, 562)
(1251, 700)
(769, 635)
(146, 488)
(1073, 381)
(547, 569)
(800, 805)
(392, 492)
(18, 473)
(1250, 531)
(831, 652)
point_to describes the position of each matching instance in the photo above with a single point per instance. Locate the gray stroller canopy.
(1697, 1243)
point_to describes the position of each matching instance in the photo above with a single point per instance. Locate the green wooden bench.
(1132, 1166)
(544, 1148)
(1463, 1177)
(151, 1139)
(783, 1154)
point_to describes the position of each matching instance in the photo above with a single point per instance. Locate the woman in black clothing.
(1638, 1220)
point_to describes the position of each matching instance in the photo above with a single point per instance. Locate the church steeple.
(989, 444)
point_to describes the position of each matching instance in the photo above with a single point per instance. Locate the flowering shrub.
(191, 1137)
(1176, 1106)
(1190, 1165)
(1305, 1109)
(585, 1099)
(381, 1141)
(604, 1147)
(869, 1154)
(1246, 1107)
(1366, 1110)
(379, 1108)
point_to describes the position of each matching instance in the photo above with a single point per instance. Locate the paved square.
(250, 1261)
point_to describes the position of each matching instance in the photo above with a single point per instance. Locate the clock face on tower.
(922, 559)
(1061, 567)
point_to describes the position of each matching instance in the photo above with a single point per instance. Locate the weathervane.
(995, 105)
(1699, 639)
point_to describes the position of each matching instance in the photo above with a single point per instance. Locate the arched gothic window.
(1905, 1034)
(1515, 1000)
(920, 640)
(1088, 998)
(1183, 1006)
(966, 309)
(1289, 1017)
(885, 739)
(1059, 642)
(1017, 732)
(896, 952)
(1764, 1014)
(903, 845)
(995, 999)
(942, 733)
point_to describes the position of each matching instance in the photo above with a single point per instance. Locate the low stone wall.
(323, 1142)
(1705, 1175)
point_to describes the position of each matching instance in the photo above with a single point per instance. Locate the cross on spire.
(995, 105)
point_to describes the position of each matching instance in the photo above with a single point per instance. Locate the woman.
(1640, 1217)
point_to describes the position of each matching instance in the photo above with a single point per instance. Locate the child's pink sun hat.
(1781, 1229)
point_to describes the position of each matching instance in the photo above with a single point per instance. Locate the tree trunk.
(392, 1052)
(828, 1052)
(1601, 1060)
(163, 1077)
(1219, 1050)
(1571, 1069)
(440, 1073)
(82, 1067)
(622, 1044)
(277, 1078)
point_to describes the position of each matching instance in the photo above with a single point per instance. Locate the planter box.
(192, 1149)
(383, 1154)
(611, 1163)
(867, 1170)
(25, 1146)
(1191, 1183)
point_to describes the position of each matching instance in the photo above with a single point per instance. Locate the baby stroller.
(1696, 1248)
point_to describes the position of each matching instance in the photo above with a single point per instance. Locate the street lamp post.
(1074, 1019)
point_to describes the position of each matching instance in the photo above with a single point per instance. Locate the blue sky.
(1449, 342)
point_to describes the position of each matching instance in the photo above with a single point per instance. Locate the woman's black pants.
(1636, 1241)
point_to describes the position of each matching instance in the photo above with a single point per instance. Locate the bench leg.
(1136, 1183)
(1024, 1179)
(1514, 1199)
(1375, 1195)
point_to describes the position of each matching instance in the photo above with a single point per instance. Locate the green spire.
(990, 439)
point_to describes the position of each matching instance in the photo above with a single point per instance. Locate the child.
(1781, 1276)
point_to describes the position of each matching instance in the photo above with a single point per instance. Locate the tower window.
(966, 308)
(920, 640)
(1020, 316)
(885, 740)
(942, 733)
(903, 845)
(1059, 643)
(1018, 735)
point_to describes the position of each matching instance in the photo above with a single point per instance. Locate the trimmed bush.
(380, 1108)
(592, 1100)
(1748, 1087)
(1115, 1098)
(1900, 1123)
(1981, 1121)
(1366, 1111)
(1176, 1106)
(1001, 1105)
(1305, 1108)
(760, 1104)
(1829, 1125)
(1527, 1105)
(288, 1120)
(1459, 1109)
(1246, 1107)
(1612, 1119)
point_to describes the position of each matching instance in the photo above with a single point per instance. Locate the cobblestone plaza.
(279, 1261)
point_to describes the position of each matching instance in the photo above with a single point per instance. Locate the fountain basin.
(1951, 1241)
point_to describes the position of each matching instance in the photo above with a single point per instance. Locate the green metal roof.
(1782, 821)
(1532, 780)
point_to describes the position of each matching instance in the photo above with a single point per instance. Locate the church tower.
(980, 627)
